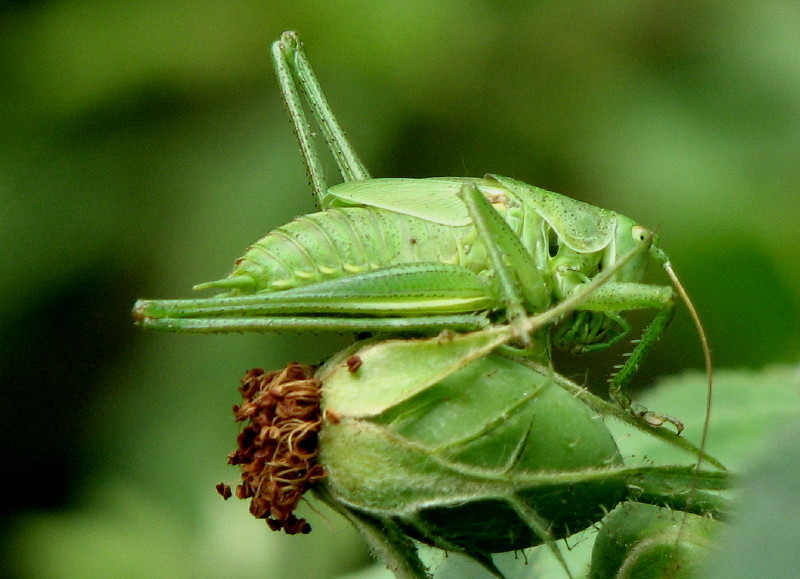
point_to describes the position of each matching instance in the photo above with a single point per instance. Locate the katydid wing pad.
(432, 199)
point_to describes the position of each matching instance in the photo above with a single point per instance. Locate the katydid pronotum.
(424, 255)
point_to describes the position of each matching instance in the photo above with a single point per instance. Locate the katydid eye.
(640, 233)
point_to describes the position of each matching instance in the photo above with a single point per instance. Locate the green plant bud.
(459, 448)
(638, 540)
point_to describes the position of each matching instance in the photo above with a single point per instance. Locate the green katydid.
(425, 255)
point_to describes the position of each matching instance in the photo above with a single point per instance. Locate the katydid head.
(629, 236)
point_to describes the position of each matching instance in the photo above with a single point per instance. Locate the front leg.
(615, 297)
(622, 378)
(523, 287)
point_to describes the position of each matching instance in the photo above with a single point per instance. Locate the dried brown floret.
(278, 448)
(224, 490)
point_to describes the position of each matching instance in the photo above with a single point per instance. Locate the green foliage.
(765, 531)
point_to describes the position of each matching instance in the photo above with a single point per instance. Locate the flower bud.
(439, 439)
(640, 540)
(461, 448)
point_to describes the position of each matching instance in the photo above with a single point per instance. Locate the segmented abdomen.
(348, 240)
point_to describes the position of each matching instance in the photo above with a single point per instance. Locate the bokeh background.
(143, 146)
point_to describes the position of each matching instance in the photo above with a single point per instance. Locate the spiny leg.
(620, 381)
(591, 333)
(296, 76)
(350, 164)
(523, 287)
(291, 98)
(408, 297)
(616, 297)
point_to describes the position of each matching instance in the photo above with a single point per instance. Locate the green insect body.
(425, 255)
(568, 242)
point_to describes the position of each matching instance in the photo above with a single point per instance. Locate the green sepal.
(394, 371)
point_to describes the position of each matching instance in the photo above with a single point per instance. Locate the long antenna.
(706, 352)
(709, 388)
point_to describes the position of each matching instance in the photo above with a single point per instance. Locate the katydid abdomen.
(344, 241)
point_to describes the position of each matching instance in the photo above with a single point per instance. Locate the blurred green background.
(143, 146)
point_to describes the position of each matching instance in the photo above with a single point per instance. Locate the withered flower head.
(279, 446)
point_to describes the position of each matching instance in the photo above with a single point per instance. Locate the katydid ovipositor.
(424, 255)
